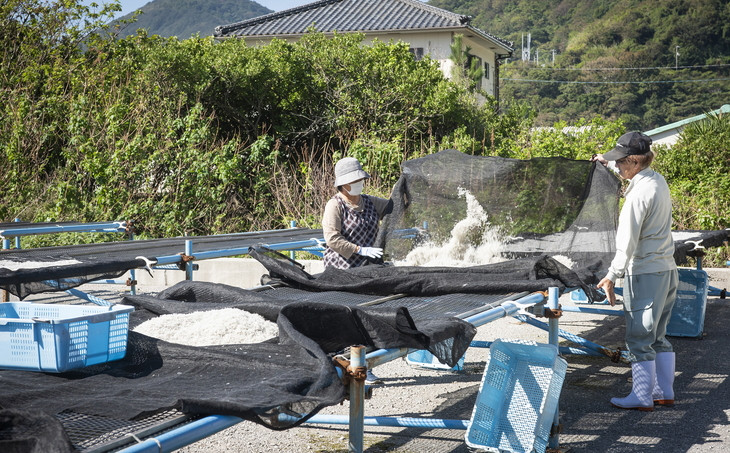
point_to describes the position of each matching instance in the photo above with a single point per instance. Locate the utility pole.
(526, 50)
(553, 52)
(676, 57)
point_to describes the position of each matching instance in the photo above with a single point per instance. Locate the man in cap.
(350, 224)
(645, 259)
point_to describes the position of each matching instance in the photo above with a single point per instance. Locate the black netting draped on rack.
(566, 209)
(31, 271)
(292, 374)
(533, 273)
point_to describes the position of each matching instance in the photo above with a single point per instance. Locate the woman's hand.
(370, 252)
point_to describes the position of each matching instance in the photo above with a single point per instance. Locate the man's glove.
(370, 252)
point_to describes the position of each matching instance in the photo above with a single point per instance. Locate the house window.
(417, 53)
(472, 61)
(486, 70)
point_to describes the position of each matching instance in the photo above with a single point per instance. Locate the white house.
(427, 30)
(669, 134)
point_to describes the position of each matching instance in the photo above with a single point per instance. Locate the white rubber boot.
(663, 394)
(640, 398)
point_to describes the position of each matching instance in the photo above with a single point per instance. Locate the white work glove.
(370, 252)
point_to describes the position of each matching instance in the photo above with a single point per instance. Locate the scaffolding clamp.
(540, 310)
(348, 371)
(613, 354)
(556, 429)
(551, 313)
(184, 259)
(130, 282)
(129, 227)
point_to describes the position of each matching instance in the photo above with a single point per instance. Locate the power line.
(615, 83)
(551, 68)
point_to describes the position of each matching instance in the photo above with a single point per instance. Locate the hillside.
(613, 58)
(184, 18)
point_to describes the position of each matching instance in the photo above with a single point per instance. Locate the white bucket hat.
(348, 170)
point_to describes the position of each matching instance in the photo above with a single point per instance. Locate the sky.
(275, 5)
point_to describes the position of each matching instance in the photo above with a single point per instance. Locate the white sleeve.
(627, 236)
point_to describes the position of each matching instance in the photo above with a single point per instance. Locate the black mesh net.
(31, 271)
(292, 374)
(553, 206)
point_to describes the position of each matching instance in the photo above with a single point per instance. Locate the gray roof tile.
(353, 15)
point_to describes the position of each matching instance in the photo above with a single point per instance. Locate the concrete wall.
(246, 273)
(240, 272)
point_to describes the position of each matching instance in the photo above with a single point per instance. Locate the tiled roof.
(353, 15)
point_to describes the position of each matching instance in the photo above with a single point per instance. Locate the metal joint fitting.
(130, 282)
(614, 355)
(350, 373)
(553, 313)
(357, 373)
(184, 260)
(129, 228)
(556, 429)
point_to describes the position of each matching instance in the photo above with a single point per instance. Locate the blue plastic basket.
(425, 359)
(518, 397)
(688, 314)
(57, 338)
(578, 296)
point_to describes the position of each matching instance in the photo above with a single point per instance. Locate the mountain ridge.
(648, 62)
(185, 18)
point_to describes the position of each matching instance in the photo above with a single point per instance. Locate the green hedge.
(203, 137)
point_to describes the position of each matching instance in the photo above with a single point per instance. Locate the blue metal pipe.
(88, 297)
(294, 245)
(598, 311)
(553, 331)
(292, 254)
(714, 291)
(113, 281)
(184, 435)
(107, 227)
(569, 336)
(132, 274)
(189, 264)
(382, 356)
(562, 349)
(357, 402)
(17, 238)
(404, 422)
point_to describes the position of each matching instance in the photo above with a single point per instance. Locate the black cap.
(631, 143)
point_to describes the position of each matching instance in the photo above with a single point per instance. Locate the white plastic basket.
(518, 397)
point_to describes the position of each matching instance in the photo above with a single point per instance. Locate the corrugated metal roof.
(353, 15)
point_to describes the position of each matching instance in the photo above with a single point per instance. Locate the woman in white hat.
(350, 224)
(350, 220)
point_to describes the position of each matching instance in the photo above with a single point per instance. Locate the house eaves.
(682, 123)
(372, 17)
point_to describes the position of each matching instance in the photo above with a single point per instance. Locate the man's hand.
(599, 158)
(607, 286)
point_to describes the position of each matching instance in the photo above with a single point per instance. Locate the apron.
(360, 228)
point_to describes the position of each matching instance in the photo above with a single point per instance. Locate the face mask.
(356, 188)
